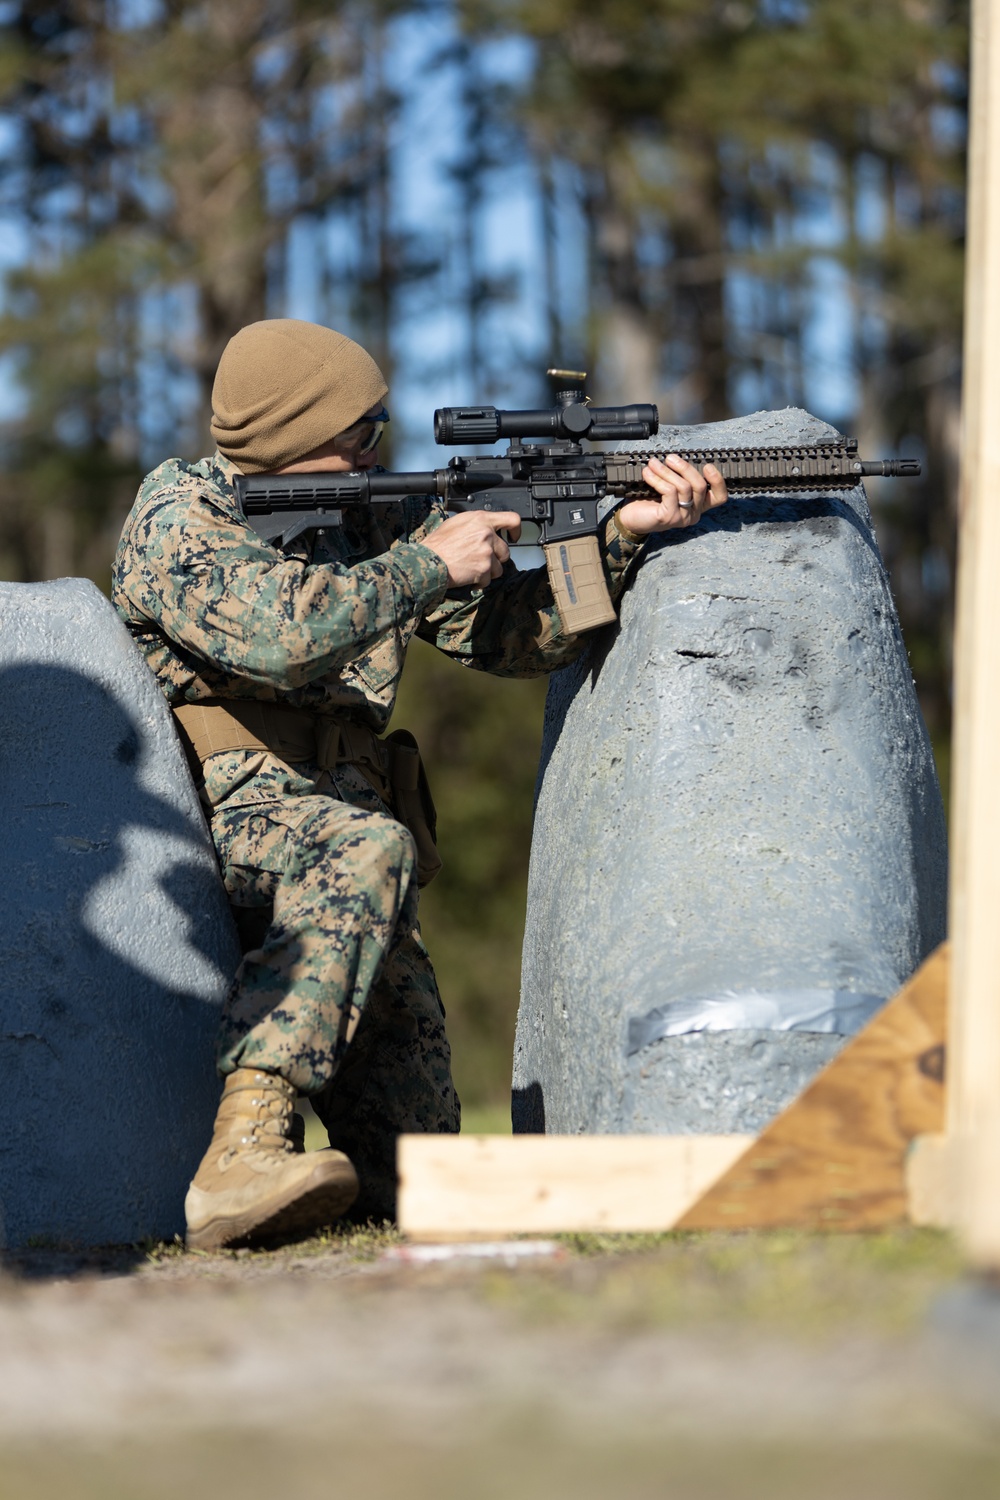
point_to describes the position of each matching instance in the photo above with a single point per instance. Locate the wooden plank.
(835, 1158)
(932, 1181)
(975, 891)
(462, 1186)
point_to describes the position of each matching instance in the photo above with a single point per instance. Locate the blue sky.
(432, 368)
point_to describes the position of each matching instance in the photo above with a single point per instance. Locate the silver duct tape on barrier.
(835, 1012)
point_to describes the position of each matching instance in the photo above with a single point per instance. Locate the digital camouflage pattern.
(325, 623)
(343, 943)
(341, 984)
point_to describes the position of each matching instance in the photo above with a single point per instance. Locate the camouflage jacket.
(324, 623)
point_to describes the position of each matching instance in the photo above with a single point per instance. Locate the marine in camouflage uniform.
(340, 998)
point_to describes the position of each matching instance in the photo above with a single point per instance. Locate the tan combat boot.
(252, 1184)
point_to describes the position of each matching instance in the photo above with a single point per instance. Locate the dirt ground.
(696, 1366)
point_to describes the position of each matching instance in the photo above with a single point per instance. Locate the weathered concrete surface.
(116, 943)
(736, 795)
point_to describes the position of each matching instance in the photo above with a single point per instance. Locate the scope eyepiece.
(466, 424)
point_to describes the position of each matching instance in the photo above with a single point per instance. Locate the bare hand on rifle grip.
(471, 548)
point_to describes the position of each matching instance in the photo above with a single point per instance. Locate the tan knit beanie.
(283, 387)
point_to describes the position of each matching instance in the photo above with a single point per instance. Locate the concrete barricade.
(116, 943)
(739, 848)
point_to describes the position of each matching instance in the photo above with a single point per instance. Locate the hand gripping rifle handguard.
(550, 482)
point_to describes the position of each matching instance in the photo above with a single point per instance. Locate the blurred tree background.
(717, 205)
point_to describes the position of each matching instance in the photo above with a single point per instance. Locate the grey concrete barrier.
(739, 847)
(116, 943)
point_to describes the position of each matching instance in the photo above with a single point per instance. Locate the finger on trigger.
(503, 520)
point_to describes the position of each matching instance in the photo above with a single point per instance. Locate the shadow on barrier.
(112, 945)
(527, 1110)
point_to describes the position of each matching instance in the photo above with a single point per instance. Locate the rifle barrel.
(892, 468)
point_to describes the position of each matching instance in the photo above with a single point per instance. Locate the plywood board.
(462, 1186)
(835, 1158)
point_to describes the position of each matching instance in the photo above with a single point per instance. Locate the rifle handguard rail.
(808, 467)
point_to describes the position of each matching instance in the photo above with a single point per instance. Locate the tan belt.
(392, 766)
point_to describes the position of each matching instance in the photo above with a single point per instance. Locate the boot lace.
(267, 1114)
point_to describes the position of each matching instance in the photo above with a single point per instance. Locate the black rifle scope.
(485, 424)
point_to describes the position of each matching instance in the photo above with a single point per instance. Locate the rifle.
(551, 483)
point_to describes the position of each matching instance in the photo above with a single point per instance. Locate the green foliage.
(753, 143)
(159, 156)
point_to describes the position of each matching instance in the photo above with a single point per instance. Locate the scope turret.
(487, 424)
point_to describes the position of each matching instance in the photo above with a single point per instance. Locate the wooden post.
(974, 1066)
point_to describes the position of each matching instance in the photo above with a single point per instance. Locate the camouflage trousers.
(338, 995)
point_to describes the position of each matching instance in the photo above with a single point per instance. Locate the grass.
(530, 1458)
(807, 1287)
(364, 1242)
(791, 1283)
(788, 1283)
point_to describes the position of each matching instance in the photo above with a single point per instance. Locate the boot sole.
(310, 1207)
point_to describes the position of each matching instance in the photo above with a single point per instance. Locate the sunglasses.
(365, 434)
